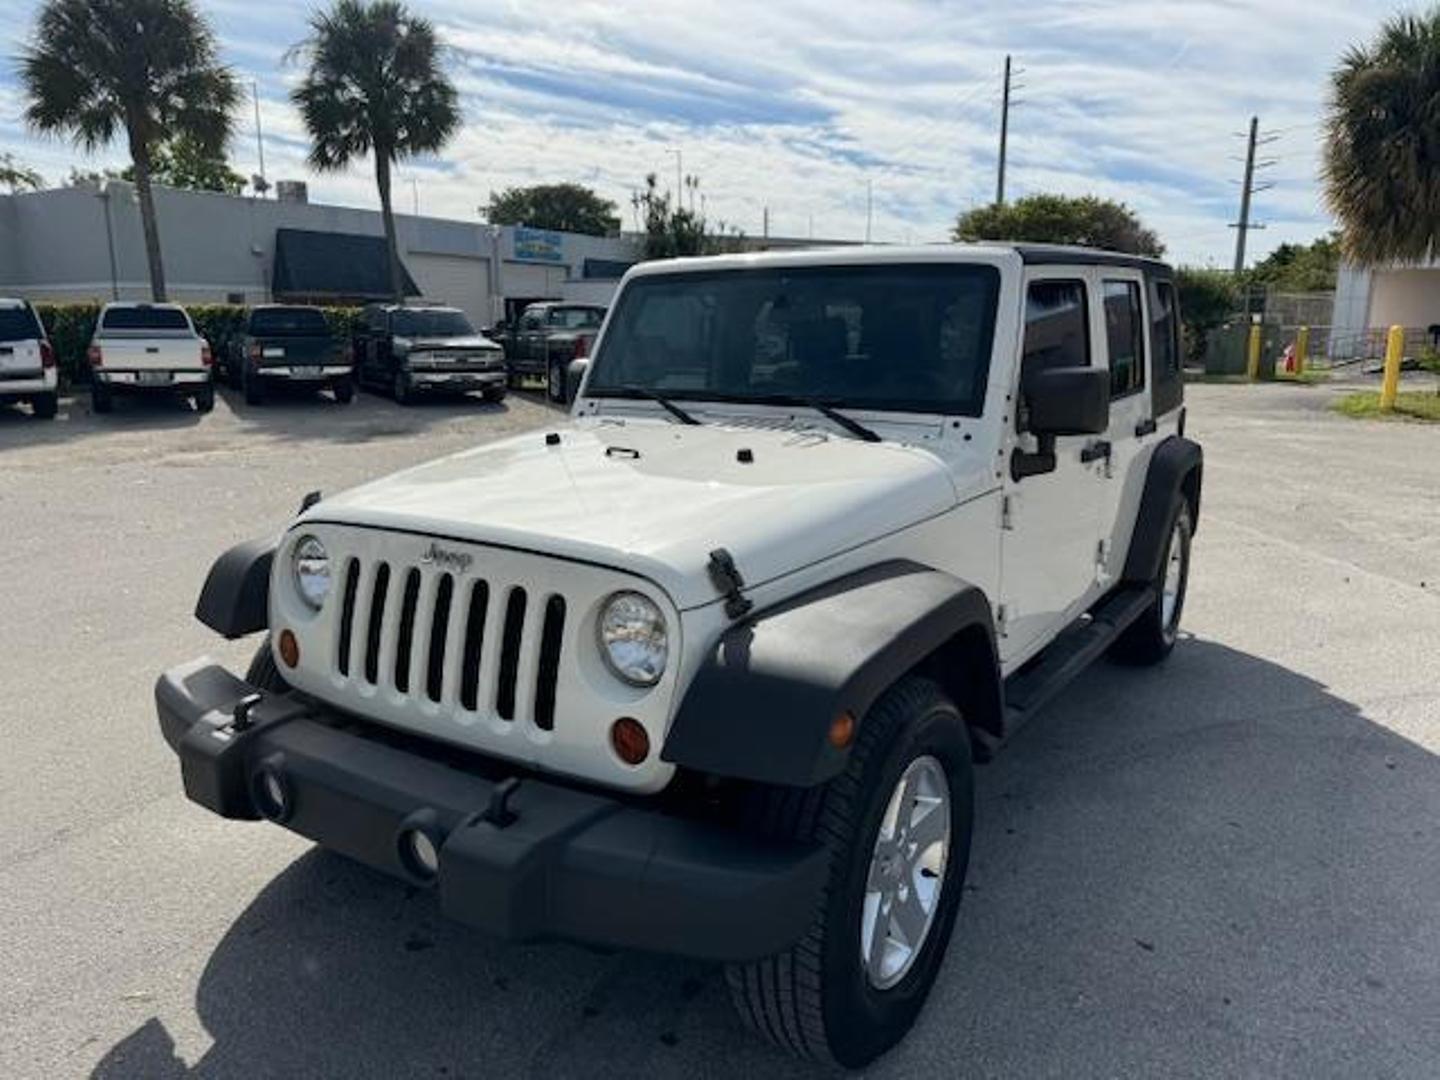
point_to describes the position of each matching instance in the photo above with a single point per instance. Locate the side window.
(1165, 332)
(1057, 326)
(1125, 335)
(530, 321)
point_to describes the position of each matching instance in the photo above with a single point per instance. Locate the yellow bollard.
(1252, 366)
(1394, 353)
(1302, 350)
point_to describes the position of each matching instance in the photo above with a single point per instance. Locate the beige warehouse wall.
(1405, 298)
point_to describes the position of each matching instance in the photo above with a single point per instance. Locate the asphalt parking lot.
(1227, 866)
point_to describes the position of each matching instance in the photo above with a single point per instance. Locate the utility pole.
(1249, 187)
(1004, 135)
(765, 222)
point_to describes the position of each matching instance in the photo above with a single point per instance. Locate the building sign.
(538, 245)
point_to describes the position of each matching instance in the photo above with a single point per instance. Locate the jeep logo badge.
(458, 561)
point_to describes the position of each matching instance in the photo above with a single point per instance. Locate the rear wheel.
(102, 399)
(344, 391)
(494, 394)
(45, 406)
(205, 399)
(1150, 638)
(897, 825)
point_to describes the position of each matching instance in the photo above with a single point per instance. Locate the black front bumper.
(562, 863)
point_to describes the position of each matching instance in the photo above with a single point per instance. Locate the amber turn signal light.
(629, 740)
(289, 648)
(842, 731)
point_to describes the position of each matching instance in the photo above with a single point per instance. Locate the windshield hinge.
(726, 577)
(1002, 620)
(1007, 513)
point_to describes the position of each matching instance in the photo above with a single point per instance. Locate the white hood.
(656, 498)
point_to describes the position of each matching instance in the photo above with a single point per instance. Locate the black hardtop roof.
(1067, 255)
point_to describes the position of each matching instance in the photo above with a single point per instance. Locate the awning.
(332, 267)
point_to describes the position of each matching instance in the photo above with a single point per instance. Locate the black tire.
(401, 390)
(344, 391)
(494, 395)
(254, 387)
(205, 399)
(263, 673)
(102, 399)
(816, 999)
(45, 406)
(1150, 638)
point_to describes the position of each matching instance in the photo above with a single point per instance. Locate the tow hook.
(498, 813)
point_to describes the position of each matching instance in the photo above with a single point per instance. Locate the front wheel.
(45, 406)
(1149, 639)
(264, 673)
(897, 824)
(403, 392)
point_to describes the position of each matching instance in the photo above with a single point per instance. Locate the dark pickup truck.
(285, 345)
(546, 338)
(411, 350)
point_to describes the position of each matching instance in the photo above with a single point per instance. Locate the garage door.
(454, 280)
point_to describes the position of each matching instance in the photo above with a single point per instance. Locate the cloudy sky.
(800, 105)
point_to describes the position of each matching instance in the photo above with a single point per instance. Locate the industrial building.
(85, 243)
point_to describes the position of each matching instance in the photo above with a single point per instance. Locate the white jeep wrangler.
(704, 669)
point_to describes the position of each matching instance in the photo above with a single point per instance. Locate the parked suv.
(148, 349)
(287, 345)
(27, 360)
(546, 338)
(704, 670)
(414, 350)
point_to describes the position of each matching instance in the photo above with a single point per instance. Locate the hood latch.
(726, 577)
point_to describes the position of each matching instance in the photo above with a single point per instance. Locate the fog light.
(420, 853)
(289, 649)
(629, 740)
(271, 793)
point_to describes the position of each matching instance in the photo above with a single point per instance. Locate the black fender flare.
(235, 599)
(761, 706)
(1176, 467)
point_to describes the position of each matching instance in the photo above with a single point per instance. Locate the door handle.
(1145, 427)
(1095, 451)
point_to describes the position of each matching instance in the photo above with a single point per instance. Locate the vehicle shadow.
(1214, 867)
(76, 419)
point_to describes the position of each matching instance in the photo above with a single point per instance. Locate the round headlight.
(632, 638)
(310, 563)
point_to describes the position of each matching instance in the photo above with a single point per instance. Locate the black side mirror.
(1067, 401)
(1059, 401)
(574, 376)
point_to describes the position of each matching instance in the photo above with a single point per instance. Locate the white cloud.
(799, 105)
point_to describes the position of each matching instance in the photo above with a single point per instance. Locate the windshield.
(908, 338)
(17, 324)
(288, 322)
(167, 319)
(433, 322)
(576, 318)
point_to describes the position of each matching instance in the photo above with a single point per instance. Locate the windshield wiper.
(854, 427)
(661, 400)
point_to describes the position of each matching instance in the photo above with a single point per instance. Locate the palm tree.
(374, 86)
(144, 68)
(1382, 153)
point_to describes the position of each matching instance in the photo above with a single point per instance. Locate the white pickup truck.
(149, 348)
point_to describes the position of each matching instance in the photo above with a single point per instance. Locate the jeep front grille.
(482, 646)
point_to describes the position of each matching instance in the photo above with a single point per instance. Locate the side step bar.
(1029, 689)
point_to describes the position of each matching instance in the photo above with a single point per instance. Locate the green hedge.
(70, 327)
